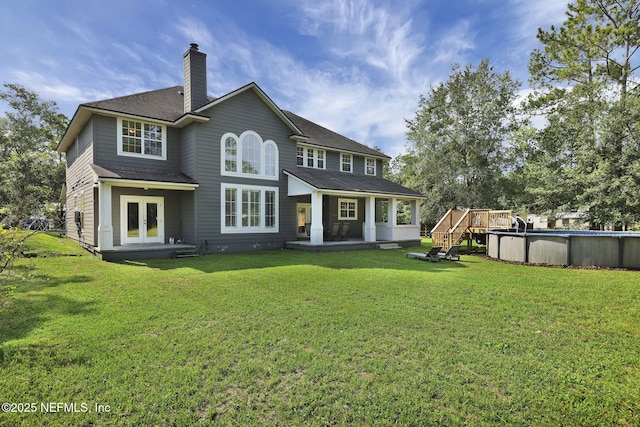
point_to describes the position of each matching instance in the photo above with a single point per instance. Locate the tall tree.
(31, 172)
(459, 141)
(587, 74)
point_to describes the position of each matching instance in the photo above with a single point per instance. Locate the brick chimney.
(195, 78)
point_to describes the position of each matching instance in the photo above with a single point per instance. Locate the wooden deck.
(457, 225)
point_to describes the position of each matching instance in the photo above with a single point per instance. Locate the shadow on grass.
(358, 259)
(28, 308)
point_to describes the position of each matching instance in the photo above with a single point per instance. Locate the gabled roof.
(163, 104)
(323, 137)
(167, 106)
(342, 182)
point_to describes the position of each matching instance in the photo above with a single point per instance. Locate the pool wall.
(604, 249)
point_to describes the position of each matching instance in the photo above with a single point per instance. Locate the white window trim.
(263, 145)
(347, 218)
(375, 166)
(305, 157)
(350, 163)
(239, 229)
(142, 155)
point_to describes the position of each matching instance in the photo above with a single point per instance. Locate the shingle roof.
(168, 105)
(163, 104)
(138, 174)
(347, 182)
(324, 137)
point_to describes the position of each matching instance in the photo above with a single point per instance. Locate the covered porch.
(375, 211)
(141, 213)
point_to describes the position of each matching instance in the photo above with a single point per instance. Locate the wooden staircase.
(186, 253)
(458, 225)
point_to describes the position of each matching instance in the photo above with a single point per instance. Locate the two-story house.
(159, 168)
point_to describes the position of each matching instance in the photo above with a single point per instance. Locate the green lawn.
(293, 338)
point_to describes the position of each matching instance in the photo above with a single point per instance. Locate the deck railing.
(457, 225)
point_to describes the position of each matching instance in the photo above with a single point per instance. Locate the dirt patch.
(568, 267)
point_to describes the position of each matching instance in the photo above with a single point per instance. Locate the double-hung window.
(309, 157)
(370, 166)
(141, 139)
(346, 162)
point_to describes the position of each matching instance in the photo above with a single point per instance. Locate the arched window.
(249, 156)
(270, 159)
(230, 154)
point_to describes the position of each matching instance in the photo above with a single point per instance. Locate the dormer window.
(140, 139)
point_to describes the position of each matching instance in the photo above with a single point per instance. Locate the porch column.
(317, 230)
(370, 219)
(393, 212)
(105, 227)
(415, 212)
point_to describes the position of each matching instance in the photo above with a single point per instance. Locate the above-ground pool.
(615, 249)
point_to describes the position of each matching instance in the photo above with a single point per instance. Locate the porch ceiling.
(305, 180)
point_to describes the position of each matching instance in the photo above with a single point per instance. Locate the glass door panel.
(133, 220)
(152, 220)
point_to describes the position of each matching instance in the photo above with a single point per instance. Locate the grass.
(292, 338)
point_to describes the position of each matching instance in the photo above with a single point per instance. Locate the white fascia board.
(149, 184)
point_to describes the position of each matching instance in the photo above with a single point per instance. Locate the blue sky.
(357, 67)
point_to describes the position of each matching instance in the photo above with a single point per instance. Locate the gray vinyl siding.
(379, 168)
(105, 131)
(188, 150)
(188, 163)
(333, 163)
(79, 180)
(245, 111)
(358, 165)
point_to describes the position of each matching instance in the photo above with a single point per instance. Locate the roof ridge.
(131, 95)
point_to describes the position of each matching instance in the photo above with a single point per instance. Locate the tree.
(587, 77)
(460, 135)
(31, 172)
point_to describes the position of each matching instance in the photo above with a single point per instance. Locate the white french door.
(141, 219)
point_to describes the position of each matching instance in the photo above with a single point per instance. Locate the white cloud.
(531, 15)
(454, 44)
(194, 30)
(48, 88)
(380, 35)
